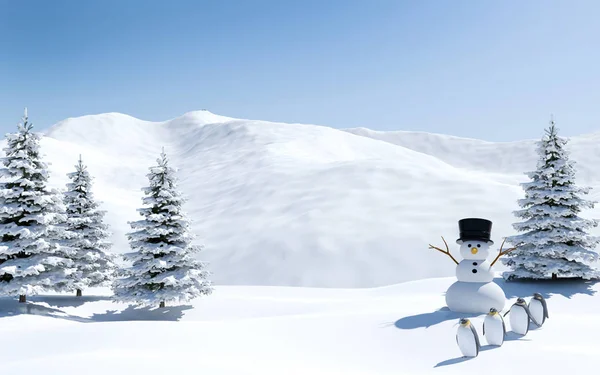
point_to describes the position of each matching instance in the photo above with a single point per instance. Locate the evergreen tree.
(88, 234)
(163, 269)
(555, 242)
(31, 259)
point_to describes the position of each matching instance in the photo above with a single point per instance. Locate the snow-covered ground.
(305, 205)
(399, 329)
(301, 205)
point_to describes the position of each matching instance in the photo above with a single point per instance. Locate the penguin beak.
(474, 251)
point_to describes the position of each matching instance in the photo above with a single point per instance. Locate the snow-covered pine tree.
(555, 243)
(163, 269)
(31, 260)
(88, 234)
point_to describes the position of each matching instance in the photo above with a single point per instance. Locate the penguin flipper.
(484, 328)
(503, 328)
(531, 317)
(478, 344)
(545, 308)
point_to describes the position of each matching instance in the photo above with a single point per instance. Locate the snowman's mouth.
(473, 251)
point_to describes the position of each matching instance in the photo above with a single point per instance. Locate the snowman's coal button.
(474, 271)
(474, 263)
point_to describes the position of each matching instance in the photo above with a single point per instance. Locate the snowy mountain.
(305, 205)
(509, 158)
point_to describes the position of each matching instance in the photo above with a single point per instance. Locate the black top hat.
(475, 229)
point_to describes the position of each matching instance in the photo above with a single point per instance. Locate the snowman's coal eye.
(478, 245)
(469, 245)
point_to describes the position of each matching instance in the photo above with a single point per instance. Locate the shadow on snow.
(50, 306)
(12, 307)
(510, 336)
(132, 313)
(513, 289)
(67, 301)
(456, 360)
(453, 361)
(429, 319)
(547, 288)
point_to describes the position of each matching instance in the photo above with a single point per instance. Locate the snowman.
(474, 291)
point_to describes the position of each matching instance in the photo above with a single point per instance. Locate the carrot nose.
(474, 251)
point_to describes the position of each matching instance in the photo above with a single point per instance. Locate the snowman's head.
(473, 249)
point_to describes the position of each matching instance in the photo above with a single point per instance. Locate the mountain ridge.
(298, 204)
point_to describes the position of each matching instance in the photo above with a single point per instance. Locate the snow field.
(274, 330)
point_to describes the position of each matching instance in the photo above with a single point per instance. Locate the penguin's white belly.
(494, 330)
(537, 310)
(519, 321)
(466, 342)
(474, 271)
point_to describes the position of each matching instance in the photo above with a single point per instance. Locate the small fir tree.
(163, 269)
(88, 234)
(555, 242)
(31, 258)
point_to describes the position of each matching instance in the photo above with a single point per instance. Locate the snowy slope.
(304, 205)
(498, 157)
(399, 329)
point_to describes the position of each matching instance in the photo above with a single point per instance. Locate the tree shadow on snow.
(11, 307)
(67, 301)
(132, 313)
(427, 320)
(37, 306)
(564, 287)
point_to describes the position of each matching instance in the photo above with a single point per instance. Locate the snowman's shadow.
(427, 320)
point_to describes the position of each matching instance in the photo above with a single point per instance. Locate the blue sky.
(483, 69)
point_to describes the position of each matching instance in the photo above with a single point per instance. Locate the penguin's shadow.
(485, 348)
(453, 361)
(512, 336)
(429, 319)
(534, 327)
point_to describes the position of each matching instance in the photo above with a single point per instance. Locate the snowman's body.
(474, 271)
(475, 291)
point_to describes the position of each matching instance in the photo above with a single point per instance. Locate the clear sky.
(493, 70)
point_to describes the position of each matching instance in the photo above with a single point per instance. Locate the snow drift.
(305, 205)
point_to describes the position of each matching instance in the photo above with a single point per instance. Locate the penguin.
(494, 329)
(520, 317)
(538, 308)
(467, 338)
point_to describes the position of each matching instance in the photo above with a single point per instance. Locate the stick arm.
(500, 253)
(447, 251)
